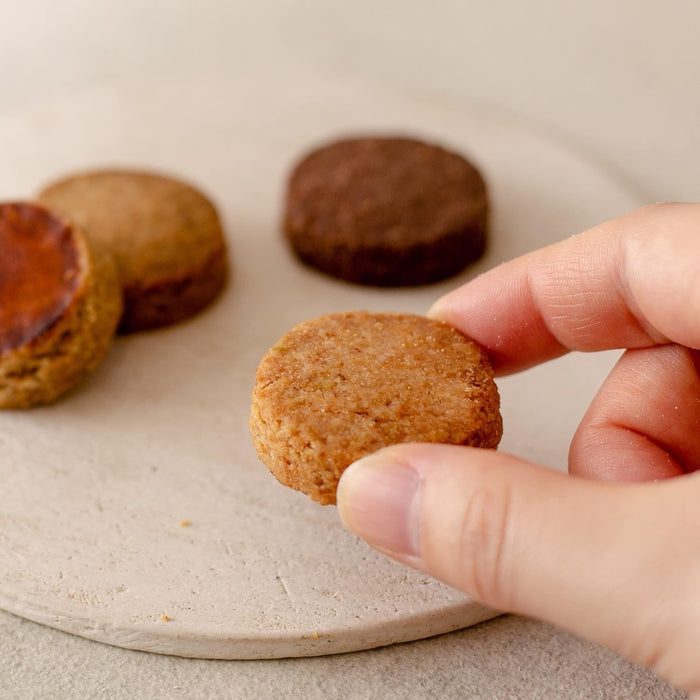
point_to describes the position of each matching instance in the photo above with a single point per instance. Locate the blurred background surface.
(619, 79)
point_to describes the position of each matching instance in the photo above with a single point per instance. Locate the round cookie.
(386, 211)
(341, 386)
(165, 236)
(60, 302)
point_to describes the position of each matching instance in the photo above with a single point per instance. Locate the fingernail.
(440, 308)
(378, 500)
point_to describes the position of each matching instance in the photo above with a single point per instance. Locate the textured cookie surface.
(341, 386)
(165, 236)
(60, 302)
(386, 211)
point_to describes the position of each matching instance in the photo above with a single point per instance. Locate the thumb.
(517, 537)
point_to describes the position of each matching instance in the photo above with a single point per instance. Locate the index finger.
(628, 283)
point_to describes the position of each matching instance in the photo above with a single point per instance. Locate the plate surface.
(96, 488)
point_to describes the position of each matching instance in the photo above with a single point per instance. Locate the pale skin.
(612, 550)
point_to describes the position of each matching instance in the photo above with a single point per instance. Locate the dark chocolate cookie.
(386, 211)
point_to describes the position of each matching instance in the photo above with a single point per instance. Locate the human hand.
(611, 552)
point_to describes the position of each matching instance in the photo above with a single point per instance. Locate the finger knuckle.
(483, 542)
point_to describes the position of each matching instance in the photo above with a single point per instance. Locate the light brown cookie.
(60, 302)
(386, 211)
(165, 236)
(341, 386)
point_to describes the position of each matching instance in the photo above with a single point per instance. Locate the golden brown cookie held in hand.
(386, 211)
(60, 302)
(341, 386)
(165, 236)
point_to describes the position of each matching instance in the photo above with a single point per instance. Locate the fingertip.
(377, 498)
(442, 308)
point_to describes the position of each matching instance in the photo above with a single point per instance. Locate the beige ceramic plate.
(96, 488)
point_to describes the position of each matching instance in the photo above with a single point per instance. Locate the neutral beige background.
(616, 79)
